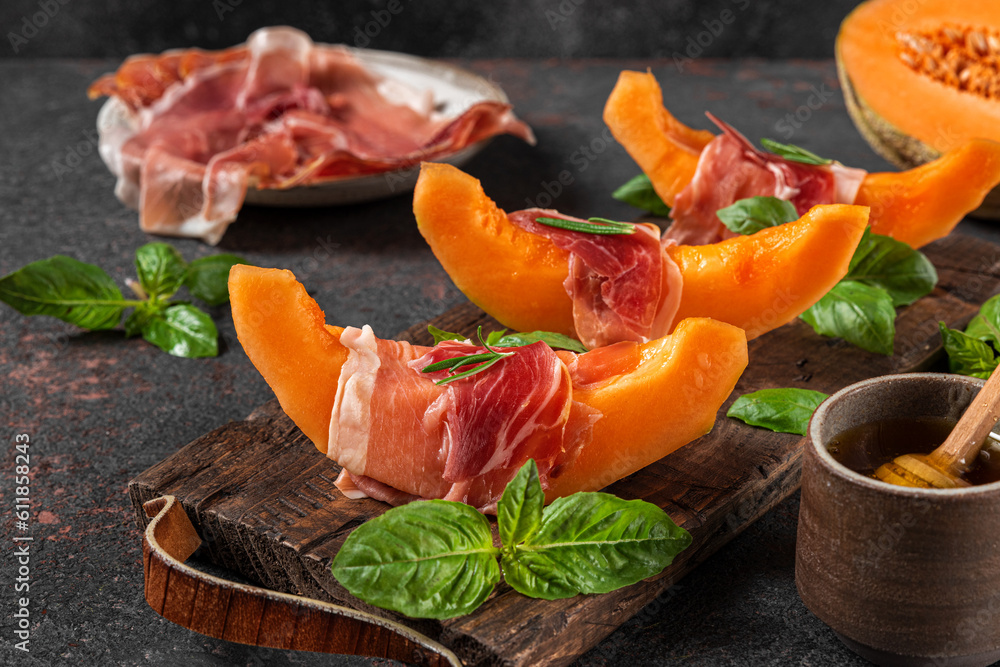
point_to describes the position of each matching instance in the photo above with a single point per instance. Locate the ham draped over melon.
(468, 438)
(586, 419)
(602, 288)
(697, 173)
(730, 168)
(278, 112)
(624, 287)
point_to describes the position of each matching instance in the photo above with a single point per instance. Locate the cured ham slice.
(463, 440)
(276, 113)
(624, 287)
(730, 168)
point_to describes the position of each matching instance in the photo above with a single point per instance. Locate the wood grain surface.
(262, 497)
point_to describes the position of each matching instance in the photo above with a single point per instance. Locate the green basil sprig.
(750, 215)
(436, 559)
(639, 192)
(86, 296)
(786, 410)
(974, 352)
(884, 273)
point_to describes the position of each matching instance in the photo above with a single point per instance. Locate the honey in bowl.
(865, 447)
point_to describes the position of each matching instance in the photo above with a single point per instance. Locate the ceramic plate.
(454, 90)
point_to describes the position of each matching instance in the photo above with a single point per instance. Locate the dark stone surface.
(99, 409)
(440, 28)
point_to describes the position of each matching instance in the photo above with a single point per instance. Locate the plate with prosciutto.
(192, 135)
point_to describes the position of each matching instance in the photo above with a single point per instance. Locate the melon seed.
(960, 57)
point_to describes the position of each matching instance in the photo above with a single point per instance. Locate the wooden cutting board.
(263, 498)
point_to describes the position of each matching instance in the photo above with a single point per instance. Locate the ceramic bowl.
(904, 576)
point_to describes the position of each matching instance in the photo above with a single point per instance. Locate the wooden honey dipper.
(943, 468)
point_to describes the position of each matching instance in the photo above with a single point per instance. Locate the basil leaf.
(785, 410)
(519, 512)
(753, 214)
(183, 331)
(494, 338)
(426, 559)
(986, 324)
(62, 287)
(139, 318)
(860, 314)
(160, 269)
(967, 355)
(793, 153)
(554, 340)
(441, 334)
(880, 261)
(639, 192)
(593, 543)
(208, 278)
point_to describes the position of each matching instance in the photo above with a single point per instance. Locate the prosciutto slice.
(276, 113)
(624, 287)
(731, 168)
(399, 436)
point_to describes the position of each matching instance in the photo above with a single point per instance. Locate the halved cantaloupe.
(756, 282)
(915, 207)
(666, 396)
(919, 78)
(912, 101)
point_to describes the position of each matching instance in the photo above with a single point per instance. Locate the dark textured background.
(441, 28)
(100, 409)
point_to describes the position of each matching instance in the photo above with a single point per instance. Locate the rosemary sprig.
(483, 360)
(793, 153)
(592, 226)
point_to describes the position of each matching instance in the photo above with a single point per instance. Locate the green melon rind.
(886, 139)
(900, 149)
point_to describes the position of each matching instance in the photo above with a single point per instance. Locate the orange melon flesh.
(513, 275)
(941, 116)
(668, 397)
(665, 149)
(756, 282)
(284, 333)
(925, 203)
(767, 279)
